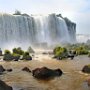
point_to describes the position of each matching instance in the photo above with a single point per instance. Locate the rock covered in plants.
(18, 51)
(16, 57)
(7, 55)
(26, 56)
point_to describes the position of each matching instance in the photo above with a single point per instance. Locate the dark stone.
(70, 56)
(9, 70)
(46, 73)
(1, 69)
(4, 86)
(26, 69)
(86, 69)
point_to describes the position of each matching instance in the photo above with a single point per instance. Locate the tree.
(17, 12)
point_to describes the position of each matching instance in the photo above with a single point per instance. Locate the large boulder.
(86, 69)
(4, 86)
(1, 69)
(46, 73)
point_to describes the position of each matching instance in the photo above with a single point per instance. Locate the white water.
(25, 31)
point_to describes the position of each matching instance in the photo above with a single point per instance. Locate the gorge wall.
(24, 30)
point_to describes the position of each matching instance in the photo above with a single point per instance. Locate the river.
(72, 79)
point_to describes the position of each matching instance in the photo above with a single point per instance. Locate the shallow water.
(72, 79)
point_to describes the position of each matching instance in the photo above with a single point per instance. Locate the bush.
(7, 52)
(26, 56)
(18, 51)
(81, 51)
(60, 52)
(7, 55)
(16, 57)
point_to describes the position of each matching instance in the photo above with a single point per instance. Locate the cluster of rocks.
(39, 73)
(2, 69)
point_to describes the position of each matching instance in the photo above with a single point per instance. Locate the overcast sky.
(76, 10)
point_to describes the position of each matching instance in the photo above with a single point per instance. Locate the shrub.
(7, 55)
(16, 57)
(18, 51)
(26, 56)
(7, 52)
(60, 52)
(81, 51)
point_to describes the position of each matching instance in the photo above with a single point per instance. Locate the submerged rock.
(9, 70)
(86, 69)
(4, 86)
(1, 69)
(26, 69)
(46, 73)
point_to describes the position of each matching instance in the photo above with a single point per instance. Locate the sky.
(77, 11)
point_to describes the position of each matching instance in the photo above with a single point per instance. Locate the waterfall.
(23, 31)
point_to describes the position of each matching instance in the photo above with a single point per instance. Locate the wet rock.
(88, 81)
(86, 69)
(26, 69)
(46, 73)
(9, 70)
(4, 86)
(1, 69)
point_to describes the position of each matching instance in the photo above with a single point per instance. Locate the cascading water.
(23, 31)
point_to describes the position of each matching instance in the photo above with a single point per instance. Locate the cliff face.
(71, 26)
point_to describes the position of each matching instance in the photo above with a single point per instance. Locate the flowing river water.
(72, 79)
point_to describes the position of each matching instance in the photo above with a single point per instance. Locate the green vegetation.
(16, 54)
(60, 52)
(7, 55)
(26, 56)
(69, 50)
(80, 49)
(18, 51)
(16, 57)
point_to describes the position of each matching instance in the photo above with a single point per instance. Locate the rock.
(86, 69)
(26, 69)
(46, 73)
(88, 81)
(9, 70)
(70, 56)
(1, 69)
(4, 86)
